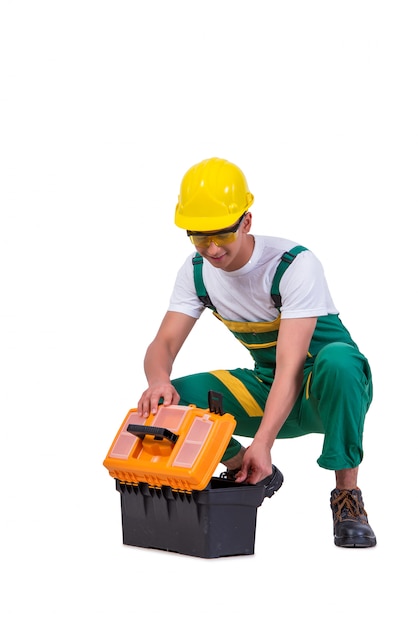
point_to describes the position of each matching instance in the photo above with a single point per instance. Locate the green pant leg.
(336, 395)
(339, 393)
(247, 407)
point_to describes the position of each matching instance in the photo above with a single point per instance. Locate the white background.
(104, 106)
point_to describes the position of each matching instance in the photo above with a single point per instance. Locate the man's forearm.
(158, 363)
(280, 402)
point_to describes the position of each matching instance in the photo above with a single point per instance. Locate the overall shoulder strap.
(202, 294)
(286, 259)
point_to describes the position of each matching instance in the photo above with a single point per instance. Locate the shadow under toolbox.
(163, 466)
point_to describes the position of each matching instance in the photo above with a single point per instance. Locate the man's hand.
(150, 399)
(256, 464)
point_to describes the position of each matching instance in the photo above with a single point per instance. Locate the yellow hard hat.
(213, 195)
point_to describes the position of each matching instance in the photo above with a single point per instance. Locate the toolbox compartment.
(217, 521)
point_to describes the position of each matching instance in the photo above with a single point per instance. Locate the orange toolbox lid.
(179, 446)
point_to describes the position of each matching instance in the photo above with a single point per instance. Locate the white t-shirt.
(244, 294)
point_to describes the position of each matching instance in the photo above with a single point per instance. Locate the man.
(309, 376)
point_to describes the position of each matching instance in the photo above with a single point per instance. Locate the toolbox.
(163, 469)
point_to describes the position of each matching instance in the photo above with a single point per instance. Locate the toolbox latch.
(215, 402)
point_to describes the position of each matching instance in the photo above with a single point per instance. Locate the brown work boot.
(351, 526)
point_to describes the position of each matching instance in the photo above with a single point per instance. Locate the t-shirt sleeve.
(304, 289)
(183, 297)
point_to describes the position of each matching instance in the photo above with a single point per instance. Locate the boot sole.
(360, 542)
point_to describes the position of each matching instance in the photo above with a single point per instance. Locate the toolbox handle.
(159, 433)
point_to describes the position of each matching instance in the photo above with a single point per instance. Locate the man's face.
(227, 249)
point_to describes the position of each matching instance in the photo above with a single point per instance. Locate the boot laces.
(347, 505)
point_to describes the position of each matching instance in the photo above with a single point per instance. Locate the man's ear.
(248, 220)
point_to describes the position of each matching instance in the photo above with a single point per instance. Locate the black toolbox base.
(217, 521)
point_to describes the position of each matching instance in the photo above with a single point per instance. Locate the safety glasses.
(220, 237)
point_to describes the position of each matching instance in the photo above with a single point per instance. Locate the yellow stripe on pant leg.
(240, 392)
(308, 382)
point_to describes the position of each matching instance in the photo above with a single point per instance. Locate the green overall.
(337, 382)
